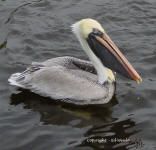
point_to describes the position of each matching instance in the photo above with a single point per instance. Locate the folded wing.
(70, 84)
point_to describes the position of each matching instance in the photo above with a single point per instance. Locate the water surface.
(35, 30)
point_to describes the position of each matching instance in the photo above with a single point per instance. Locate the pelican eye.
(97, 32)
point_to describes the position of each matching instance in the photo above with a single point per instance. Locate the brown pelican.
(78, 81)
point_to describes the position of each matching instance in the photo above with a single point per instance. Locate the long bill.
(113, 49)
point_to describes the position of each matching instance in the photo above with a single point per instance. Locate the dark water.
(38, 30)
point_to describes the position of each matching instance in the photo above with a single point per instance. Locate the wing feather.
(61, 81)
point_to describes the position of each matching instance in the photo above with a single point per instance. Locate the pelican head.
(102, 51)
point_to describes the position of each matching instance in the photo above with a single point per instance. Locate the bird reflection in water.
(99, 117)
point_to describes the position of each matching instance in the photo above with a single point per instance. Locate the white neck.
(100, 68)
